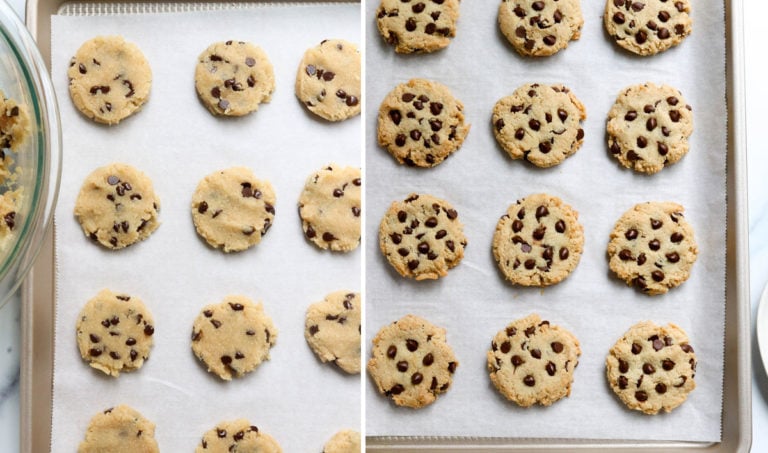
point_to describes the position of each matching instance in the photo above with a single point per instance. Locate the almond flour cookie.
(648, 27)
(332, 330)
(109, 79)
(652, 247)
(417, 26)
(121, 429)
(232, 78)
(346, 441)
(233, 337)
(532, 362)
(329, 208)
(651, 368)
(539, 123)
(328, 80)
(422, 237)
(539, 241)
(421, 123)
(14, 125)
(117, 206)
(237, 436)
(232, 210)
(411, 362)
(540, 28)
(648, 127)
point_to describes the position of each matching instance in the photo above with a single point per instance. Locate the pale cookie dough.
(9, 203)
(14, 127)
(119, 430)
(539, 123)
(346, 441)
(648, 27)
(233, 337)
(328, 80)
(418, 25)
(652, 247)
(332, 330)
(540, 28)
(651, 368)
(232, 78)
(411, 362)
(109, 79)
(237, 436)
(329, 207)
(117, 206)
(232, 210)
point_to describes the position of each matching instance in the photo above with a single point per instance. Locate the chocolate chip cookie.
(14, 125)
(540, 28)
(417, 26)
(346, 441)
(237, 436)
(332, 329)
(121, 429)
(328, 80)
(648, 27)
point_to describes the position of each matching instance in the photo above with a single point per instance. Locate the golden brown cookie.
(540, 28)
(647, 27)
(418, 25)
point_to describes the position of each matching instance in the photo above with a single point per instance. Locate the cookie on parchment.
(418, 25)
(346, 441)
(109, 79)
(332, 329)
(539, 123)
(651, 368)
(14, 124)
(652, 247)
(647, 27)
(411, 362)
(328, 80)
(120, 429)
(329, 207)
(422, 237)
(237, 436)
(542, 27)
(648, 127)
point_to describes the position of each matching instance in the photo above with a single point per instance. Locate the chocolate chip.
(550, 40)
(641, 396)
(668, 364)
(641, 259)
(545, 147)
(658, 276)
(663, 33)
(418, 7)
(520, 133)
(130, 341)
(402, 366)
(630, 116)
(452, 367)
(641, 37)
(626, 255)
(411, 344)
(564, 253)
(551, 368)
(534, 124)
(654, 244)
(328, 237)
(410, 24)
(648, 368)
(623, 366)
(636, 348)
(517, 361)
(529, 380)
(396, 389)
(676, 237)
(623, 382)
(631, 234)
(519, 12)
(674, 115)
(417, 378)
(536, 353)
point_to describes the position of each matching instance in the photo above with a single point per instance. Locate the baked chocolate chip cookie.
(540, 28)
(647, 27)
(417, 25)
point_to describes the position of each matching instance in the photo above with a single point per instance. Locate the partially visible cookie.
(117, 206)
(652, 247)
(237, 436)
(422, 237)
(651, 368)
(648, 27)
(417, 26)
(411, 362)
(233, 337)
(421, 123)
(539, 123)
(346, 441)
(540, 28)
(328, 80)
(109, 79)
(332, 329)
(121, 429)
(329, 207)
(14, 124)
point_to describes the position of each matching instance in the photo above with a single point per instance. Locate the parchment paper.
(473, 302)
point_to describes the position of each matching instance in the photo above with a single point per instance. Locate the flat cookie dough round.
(539, 241)
(422, 237)
(346, 441)
(651, 368)
(411, 362)
(539, 123)
(117, 206)
(232, 210)
(421, 123)
(115, 332)
(417, 26)
(652, 247)
(121, 429)
(648, 127)
(233, 337)
(232, 78)
(332, 330)
(329, 207)
(328, 80)
(542, 27)
(237, 436)
(14, 124)
(532, 362)
(648, 27)
(109, 79)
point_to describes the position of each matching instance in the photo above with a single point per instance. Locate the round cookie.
(109, 79)
(422, 237)
(411, 362)
(121, 429)
(117, 206)
(346, 441)
(421, 123)
(329, 207)
(540, 28)
(418, 26)
(652, 247)
(233, 337)
(14, 125)
(539, 241)
(651, 368)
(332, 330)
(237, 436)
(648, 27)
(232, 210)
(648, 127)
(232, 78)
(328, 80)
(539, 123)
(115, 332)
(532, 362)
